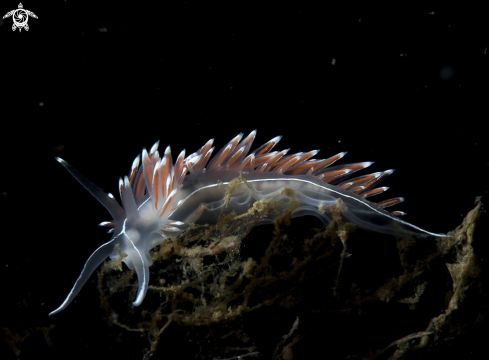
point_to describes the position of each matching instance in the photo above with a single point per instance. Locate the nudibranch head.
(142, 222)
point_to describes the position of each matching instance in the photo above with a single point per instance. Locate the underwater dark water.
(94, 83)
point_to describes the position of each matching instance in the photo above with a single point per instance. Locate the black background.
(95, 82)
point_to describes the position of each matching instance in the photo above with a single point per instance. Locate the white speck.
(333, 62)
(41, 104)
(104, 29)
(339, 141)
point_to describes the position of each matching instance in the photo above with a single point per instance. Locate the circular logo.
(20, 17)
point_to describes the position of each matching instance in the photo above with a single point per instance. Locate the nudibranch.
(160, 198)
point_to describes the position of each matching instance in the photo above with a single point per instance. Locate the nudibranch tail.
(160, 197)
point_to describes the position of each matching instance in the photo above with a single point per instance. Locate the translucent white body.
(161, 198)
(207, 191)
